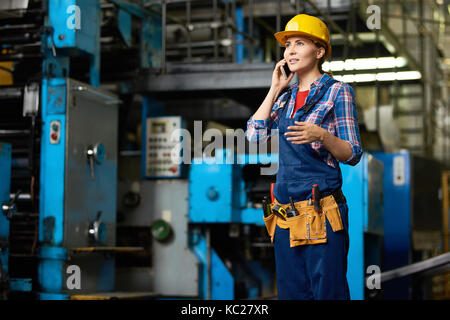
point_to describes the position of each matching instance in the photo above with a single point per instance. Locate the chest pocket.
(320, 113)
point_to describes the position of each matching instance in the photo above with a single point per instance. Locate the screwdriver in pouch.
(292, 212)
(316, 197)
(266, 207)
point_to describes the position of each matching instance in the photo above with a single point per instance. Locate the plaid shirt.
(335, 112)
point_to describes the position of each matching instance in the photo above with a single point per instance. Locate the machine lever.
(97, 230)
(90, 155)
(10, 208)
(95, 153)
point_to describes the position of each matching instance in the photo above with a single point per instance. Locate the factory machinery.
(213, 228)
(59, 138)
(209, 238)
(83, 197)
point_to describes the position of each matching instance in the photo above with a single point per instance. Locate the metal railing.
(226, 25)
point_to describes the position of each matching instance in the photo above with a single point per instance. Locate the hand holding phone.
(286, 71)
(281, 76)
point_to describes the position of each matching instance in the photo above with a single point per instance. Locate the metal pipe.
(163, 36)
(348, 27)
(14, 39)
(250, 30)
(208, 259)
(9, 133)
(19, 56)
(423, 85)
(233, 36)
(215, 32)
(397, 16)
(19, 26)
(278, 48)
(417, 267)
(445, 206)
(188, 22)
(377, 83)
(10, 93)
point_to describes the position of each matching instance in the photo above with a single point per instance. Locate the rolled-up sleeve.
(258, 130)
(261, 130)
(346, 122)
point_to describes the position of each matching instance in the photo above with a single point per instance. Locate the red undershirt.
(300, 100)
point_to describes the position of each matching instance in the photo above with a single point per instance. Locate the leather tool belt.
(309, 226)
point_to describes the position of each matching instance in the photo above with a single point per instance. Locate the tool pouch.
(271, 224)
(309, 227)
(334, 216)
(317, 225)
(297, 228)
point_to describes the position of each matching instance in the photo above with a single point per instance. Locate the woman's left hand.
(305, 132)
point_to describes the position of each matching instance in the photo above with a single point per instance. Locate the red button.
(54, 136)
(173, 169)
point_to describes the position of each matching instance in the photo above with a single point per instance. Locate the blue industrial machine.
(5, 212)
(64, 130)
(363, 188)
(72, 31)
(227, 190)
(219, 249)
(78, 181)
(412, 216)
(78, 156)
(217, 246)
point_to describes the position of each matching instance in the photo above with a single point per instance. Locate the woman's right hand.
(279, 82)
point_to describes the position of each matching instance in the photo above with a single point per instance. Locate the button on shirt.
(335, 112)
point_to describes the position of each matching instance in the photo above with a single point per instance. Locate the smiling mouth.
(293, 61)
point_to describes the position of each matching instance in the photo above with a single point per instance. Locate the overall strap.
(319, 95)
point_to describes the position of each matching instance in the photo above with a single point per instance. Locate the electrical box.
(162, 147)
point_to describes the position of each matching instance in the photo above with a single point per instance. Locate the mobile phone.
(286, 71)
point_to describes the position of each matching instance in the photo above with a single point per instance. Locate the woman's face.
(302, 54)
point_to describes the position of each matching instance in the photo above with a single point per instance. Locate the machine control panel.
(55, 131)
(159, 147)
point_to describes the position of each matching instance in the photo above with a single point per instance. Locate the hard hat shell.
(304, 25)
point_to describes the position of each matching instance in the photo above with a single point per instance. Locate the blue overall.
(315, 271)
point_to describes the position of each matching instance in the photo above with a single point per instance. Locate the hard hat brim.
(282, 35)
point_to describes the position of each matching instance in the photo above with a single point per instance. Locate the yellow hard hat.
(306, 26)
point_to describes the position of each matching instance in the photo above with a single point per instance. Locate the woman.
(317, 123)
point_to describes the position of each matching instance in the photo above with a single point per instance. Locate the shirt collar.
(319, 82)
